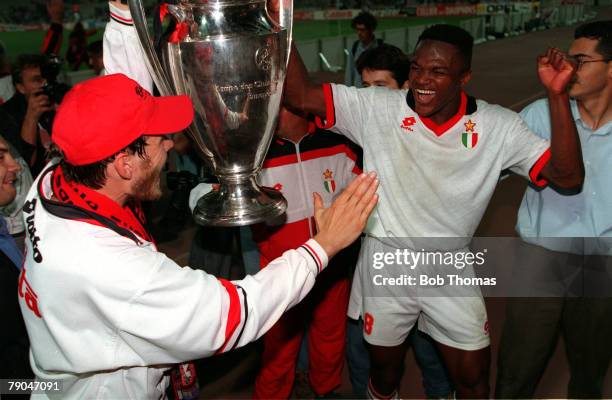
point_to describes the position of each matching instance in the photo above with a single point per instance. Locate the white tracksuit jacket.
(108, 314)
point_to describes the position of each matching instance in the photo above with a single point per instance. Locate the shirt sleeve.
(347, 110)
(122, 50)
(537, 117)
(525, 153)
(183, 314)
(194, 195)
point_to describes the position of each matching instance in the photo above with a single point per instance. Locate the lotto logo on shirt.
(407, 123)
(27, 294)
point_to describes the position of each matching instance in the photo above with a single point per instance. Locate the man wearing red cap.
(106, 313)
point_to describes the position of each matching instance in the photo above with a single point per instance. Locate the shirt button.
(594, 193)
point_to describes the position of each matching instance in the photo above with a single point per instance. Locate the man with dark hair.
(365, 25)
(439, 154)
(458, 37)
(388, 66)
(26, 119)
(385, 65)
(25, 109)
(564, 261)
(132, 307)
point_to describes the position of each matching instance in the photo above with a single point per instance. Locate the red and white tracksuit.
(325, 163)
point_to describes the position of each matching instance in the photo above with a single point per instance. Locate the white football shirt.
(436, 181)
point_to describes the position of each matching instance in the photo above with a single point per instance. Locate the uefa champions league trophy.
(230, 57)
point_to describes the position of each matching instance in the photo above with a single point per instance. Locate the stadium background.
(504, 73)
(322, 27)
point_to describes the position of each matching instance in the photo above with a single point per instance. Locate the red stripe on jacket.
(312, 155)
(234, 313)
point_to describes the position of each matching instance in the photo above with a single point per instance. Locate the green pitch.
(30, 42)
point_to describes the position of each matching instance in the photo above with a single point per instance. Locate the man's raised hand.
(555, 71)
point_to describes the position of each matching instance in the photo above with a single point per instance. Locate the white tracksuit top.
(108, 314)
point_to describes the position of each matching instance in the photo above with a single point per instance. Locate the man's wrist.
(30, 119)
(557, 96)
(327, 245)
(313, 251)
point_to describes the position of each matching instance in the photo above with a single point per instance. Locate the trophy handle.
(158, 74)
(283, 15)
(286, 21)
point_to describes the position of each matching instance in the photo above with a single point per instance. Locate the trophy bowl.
(230, 58)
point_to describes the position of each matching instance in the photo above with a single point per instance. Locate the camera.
(53, 89)
(50, 70)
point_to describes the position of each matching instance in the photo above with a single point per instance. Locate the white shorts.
(394, 297)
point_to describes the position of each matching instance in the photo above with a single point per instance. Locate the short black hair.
(26, 61)
(454, 35)
(366, 19)
(94, 175)
(95, 48)
(598, 30)
(385, 57)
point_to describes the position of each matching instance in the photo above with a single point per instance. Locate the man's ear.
(466, 77)
(124, 165)
(20, 88)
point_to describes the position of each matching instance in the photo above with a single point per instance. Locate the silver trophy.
(230, 57)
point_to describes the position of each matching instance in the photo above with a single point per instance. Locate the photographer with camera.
(26, 119)
(31, 110)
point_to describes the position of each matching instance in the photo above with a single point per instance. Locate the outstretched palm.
(555, 71)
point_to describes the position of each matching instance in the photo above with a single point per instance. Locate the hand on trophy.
(341, 223)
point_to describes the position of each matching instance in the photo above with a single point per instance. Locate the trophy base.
(239, 204)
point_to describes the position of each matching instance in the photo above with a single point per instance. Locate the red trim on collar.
(534, 172)
(330, 114)
(126, 217)
(439, 130)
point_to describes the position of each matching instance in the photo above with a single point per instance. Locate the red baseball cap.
(101, 116)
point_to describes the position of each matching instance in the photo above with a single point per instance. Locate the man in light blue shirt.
(564, 260)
